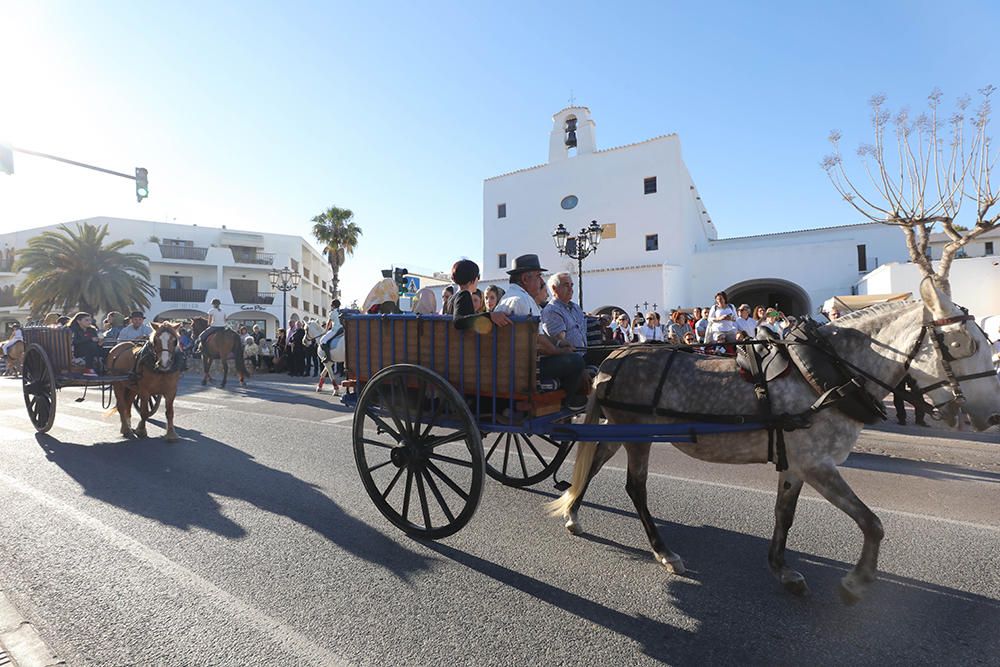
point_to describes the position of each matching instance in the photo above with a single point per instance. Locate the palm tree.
(71, 270)
(339, 235)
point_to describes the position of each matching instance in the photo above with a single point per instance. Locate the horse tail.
(581, 468)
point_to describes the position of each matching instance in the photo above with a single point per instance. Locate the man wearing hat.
(216, 322)
(137, 328)
(527, 290)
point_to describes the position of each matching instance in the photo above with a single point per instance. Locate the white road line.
(877, 510)
(341, 418)
(279, 632)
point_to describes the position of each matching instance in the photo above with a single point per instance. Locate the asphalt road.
(252, 541)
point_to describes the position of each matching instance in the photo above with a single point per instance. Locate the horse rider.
(335, 330)
(15, 335)
(137, 328)
(216, 323)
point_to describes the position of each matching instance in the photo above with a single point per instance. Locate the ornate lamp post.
(285, 280)
(586, 242)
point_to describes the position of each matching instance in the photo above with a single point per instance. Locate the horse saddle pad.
(822, 374)
(773, 360)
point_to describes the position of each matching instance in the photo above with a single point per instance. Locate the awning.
(852, 302)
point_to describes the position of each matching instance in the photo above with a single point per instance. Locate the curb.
(20, 643)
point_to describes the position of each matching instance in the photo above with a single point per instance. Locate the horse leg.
(635, 486)
(789, 487)
(605, 450)
(123, 403)
(828, 482)
(144, 414)
(225, 370)
(206, 362)
(169, 411)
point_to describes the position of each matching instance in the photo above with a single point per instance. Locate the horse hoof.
(796, 584)
(172, 437)
(141, 433)
(573, 526)
(852, 589)
(673, 563)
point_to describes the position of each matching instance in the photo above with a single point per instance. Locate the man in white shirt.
(556, 358)
(137, 328)
(744, 322)
(216, 322)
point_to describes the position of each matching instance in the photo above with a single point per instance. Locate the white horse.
(315, 331)
(935, 342)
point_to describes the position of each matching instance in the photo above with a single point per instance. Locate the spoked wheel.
(39, 384)
(518, 459)
(154, 403)
(418, 451)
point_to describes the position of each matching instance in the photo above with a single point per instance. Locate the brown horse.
(220, 345)
(156, 371)
(14, 357)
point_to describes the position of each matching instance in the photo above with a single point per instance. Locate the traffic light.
(6, 159)
(141, 184)
(399, 275)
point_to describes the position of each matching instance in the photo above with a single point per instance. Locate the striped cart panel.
(57, 343)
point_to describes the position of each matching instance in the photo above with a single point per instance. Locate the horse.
(15, 355)
(328, 358)
(220, 345)
(156, 369)
(877, 345)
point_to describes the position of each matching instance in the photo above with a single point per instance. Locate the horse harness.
(838, 382)
(146, 358)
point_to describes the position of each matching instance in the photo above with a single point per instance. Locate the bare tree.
(934, 170)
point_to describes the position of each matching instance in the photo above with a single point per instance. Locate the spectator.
(257, 334)
(772, 321)
(493, 296)
(446, 295)
(722, 318)
(251, 351)
(745, 323)
(834, 313)
(477, 301)
(720, 348)
(52, 320)
(701, 324)
(906, 391)
(137, 328)
(651, 331)
(280, 351)
(689, 338)
(759, 314)
(623, 333)
(678, 325)
(267, 354)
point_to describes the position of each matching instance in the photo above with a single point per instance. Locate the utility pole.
(140, 177)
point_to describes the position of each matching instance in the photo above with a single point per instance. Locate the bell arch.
(785, 295)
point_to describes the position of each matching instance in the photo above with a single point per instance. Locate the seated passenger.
(557, 358)
(465, 274)
(85, 343)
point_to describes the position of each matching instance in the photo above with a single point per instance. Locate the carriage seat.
(772, 360)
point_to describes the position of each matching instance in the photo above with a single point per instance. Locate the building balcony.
(263, 298)
(7, 299)
(6, 265)
(253, 257)
(186, 295)
(182, 252)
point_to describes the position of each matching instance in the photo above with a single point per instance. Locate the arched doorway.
(786, 296)
(607, 310)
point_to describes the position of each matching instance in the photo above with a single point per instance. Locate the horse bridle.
(173, 357)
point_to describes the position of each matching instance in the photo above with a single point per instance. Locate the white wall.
(975, 283)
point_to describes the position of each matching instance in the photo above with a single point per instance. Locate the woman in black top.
(465, 274)
(86, 343)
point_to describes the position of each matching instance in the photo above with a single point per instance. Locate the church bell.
(571, 133)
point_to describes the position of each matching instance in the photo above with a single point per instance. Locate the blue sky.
(260, 115)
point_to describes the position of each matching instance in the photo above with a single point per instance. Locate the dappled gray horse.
(934, 341)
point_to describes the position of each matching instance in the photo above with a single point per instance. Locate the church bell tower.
(572, 134)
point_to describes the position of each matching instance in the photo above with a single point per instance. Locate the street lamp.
(284, 280)
(586, 242)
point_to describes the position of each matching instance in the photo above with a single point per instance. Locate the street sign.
(412, 285)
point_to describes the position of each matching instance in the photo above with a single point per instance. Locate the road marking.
(277, 630)
(337, 420)
(763, 492)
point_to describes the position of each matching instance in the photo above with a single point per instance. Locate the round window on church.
(569, 202)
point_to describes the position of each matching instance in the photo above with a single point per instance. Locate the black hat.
(525, 263)
(136, 313)
(216, 301)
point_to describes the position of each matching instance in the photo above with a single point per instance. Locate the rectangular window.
(176, 282)
(502, 260)
(989, 247)
(324, 312)
(295, 301)
(315, 309)
(501, 210)
(178, 242)
(609, 231)
(862, 258)
(652, 242)
(649, 185)
(295, 265)
(305, 305)
(571, 245)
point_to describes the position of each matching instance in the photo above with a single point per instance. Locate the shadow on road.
(742, 616)
(174, 484)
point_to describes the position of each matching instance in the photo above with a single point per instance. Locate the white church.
(660, 246)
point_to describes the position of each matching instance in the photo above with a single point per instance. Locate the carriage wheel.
(154, 403)
(519, 459)
(418, 451)
(39, 384)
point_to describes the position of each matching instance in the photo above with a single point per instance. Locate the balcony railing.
(6, 265)
(182, 252)
(7, 299)
(187, 295)
(246, 257)
(265, 298)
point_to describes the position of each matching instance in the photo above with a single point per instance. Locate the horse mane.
(873, 310)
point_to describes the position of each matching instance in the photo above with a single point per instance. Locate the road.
(252, 542)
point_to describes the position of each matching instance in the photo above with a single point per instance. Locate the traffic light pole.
(144, 186)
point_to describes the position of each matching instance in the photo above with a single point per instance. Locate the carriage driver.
(137, 328)
(216, 322)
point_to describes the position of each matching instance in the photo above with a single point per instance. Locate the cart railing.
(57, 343)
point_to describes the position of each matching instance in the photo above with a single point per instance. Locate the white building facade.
(659, 244)
(191, 265)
